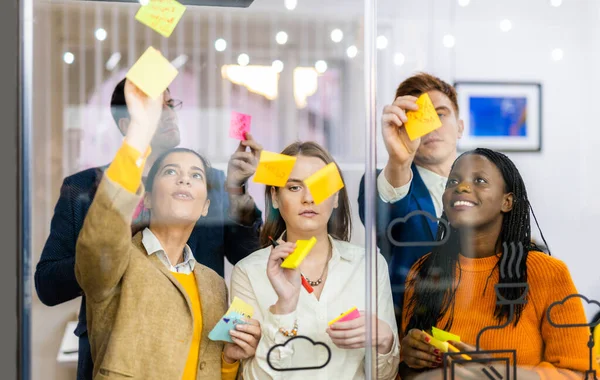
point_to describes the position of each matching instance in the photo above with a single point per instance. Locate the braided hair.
(435, 281)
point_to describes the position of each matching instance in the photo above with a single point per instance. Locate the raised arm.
(104, 244)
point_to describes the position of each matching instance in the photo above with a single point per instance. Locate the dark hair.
(432, 299)
(340, 223)
(157, 164)
(422, 83)
(118, 105)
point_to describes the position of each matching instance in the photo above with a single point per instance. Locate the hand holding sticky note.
(349, 315)
(152, 73)
(239, 125)
(303, 248)
(161, 15)
(274, 169)
(444, 346)
(422, 121)
(324, 183)
(237, 314)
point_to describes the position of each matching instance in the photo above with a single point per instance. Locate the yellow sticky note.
(274, 169)
(294, 259)
(239, 306)
(324, 183)
(443, 335)
(422, 121)
(161, 15)
(152, 73)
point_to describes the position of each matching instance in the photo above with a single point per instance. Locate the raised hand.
(400, 149)
(144, 116)
(242, 164)
(286, 282)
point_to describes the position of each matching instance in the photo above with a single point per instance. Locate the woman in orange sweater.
(457, 287)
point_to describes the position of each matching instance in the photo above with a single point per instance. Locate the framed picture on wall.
(504, 116)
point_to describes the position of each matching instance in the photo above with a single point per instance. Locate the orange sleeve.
(229, 371)
(127, 167)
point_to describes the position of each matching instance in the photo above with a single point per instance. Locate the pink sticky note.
(352, 315)
(240, 125)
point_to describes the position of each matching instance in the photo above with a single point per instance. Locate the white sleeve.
(387, 364)
(257, 367)
(389, 193)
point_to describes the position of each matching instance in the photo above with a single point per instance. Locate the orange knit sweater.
(550, 351)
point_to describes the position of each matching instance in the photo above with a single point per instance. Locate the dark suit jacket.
(418, 228)
(215, 237)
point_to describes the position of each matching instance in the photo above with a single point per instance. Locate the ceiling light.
(557, 54)
(351, 51)
(281, 38)
(113, 61)
(463, 3)
(381, 42)
(277, 65)
(449, 40)
(321, 66)
(179, 61)
(337, 35)
(505, 25)
(243, 59)
(100, 34)
(68, 57)
(290, 4)
(556, 3)
(220, 44)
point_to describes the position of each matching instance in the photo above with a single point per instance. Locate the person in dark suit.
(414, 178)
(230, 229)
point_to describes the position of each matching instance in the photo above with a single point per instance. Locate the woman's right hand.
(286, 282)
(417, 353)
(144, 114)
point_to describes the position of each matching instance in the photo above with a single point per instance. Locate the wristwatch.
(238, 190)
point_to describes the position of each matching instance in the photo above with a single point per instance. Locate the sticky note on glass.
(152, 73)
(443, 335)
(274, 169)
(324, 183)
(239, 125)
(161, 15)
(303, 248)
(422, 121)
(347, 316)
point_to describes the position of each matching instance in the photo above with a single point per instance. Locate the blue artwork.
(498, 116)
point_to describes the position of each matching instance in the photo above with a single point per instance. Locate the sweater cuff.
(127, 167)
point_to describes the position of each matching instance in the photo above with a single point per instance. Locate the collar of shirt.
(153, 246)
(436, 184)
(336, 253)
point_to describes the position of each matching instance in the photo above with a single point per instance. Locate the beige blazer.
(139, 317)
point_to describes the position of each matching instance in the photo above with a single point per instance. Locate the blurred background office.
(297, 67)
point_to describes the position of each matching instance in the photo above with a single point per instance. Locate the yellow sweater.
(126, 170)
(550, 351)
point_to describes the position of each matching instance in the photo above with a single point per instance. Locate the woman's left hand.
(352, 334)
(245, 340)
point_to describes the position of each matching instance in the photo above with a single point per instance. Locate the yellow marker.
(274, 169)
(422, 121)
(303, 247)
(444, 336)
(161, 15)
(241, 307)
(152, 73)
(454, 349)
(324, 183)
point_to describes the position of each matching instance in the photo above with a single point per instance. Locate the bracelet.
(241, 190)
(293, 332)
